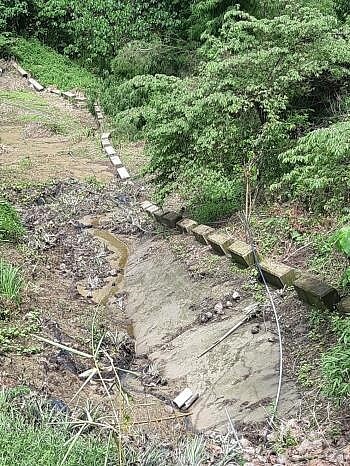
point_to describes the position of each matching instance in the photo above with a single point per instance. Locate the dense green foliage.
(227, 96)
(342, 243)
(52, 68)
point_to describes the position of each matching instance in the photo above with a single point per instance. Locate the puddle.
(118, 260)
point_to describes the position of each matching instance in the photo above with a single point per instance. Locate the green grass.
(11, 282)
(11, 228)
(335, 363)
(51, 68)
(27, 438)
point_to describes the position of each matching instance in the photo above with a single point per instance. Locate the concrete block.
(55, 91)
(115, 161)
(123, 173)
(158, 214)
(97, 108)
(105, 136)
(344, 306)
(186, 225)
(241, 253)
(201, 233)
(278, 274)
(220, 242)
(105, 143)
(316, 292)
(99, 116)
(146, 204)
(170, 219)
(37, 86)
(152, 209)
(68, 95)
(110, 151)
(20, 70)
(79, 98)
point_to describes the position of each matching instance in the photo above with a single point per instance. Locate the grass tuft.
(11, 228)
(11, 282)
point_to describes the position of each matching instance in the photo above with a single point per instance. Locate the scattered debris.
(185, 399)
(251, 313)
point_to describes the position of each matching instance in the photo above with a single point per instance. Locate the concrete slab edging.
(310, 289)
(111, 153)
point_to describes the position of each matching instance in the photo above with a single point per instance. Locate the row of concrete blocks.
(106, 144)
(114, 157)
(71, 96)
(309, 288)
(99, 114)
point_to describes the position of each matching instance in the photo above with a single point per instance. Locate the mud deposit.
(239, 374)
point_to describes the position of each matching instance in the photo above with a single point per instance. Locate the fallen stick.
(161, 419)
(227, 334)
(64, 347)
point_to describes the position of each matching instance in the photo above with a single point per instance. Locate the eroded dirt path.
(95, 266)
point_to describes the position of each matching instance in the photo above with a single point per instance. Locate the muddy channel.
(239, 376)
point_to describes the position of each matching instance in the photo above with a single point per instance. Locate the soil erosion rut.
(68, 222)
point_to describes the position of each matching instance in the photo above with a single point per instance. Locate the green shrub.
(318, 168)
(149, 58)
(336, 362)
(53, 69)
(129, 103)
(11, 228)
(342, 243)
(11, 281)
(246, 104)
(209, 194)
(6, 43)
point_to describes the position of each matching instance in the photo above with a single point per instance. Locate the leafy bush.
(11, 228)
(11, 281)
(51, 68)
(248, 100)
(342, 242)
(209, 193)
(130, 102)
(319, 169)
(336, 362)
(6, 43)
(150, 58)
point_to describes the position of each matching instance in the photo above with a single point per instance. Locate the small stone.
(235, 296)
(245, 443)
(344, 306)
(218, 308)
(40, 201)
(209, 315)
(123, 173)
(219, 242)
(228, 304)
(113, 273)
(204, 319)
(255, 329)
